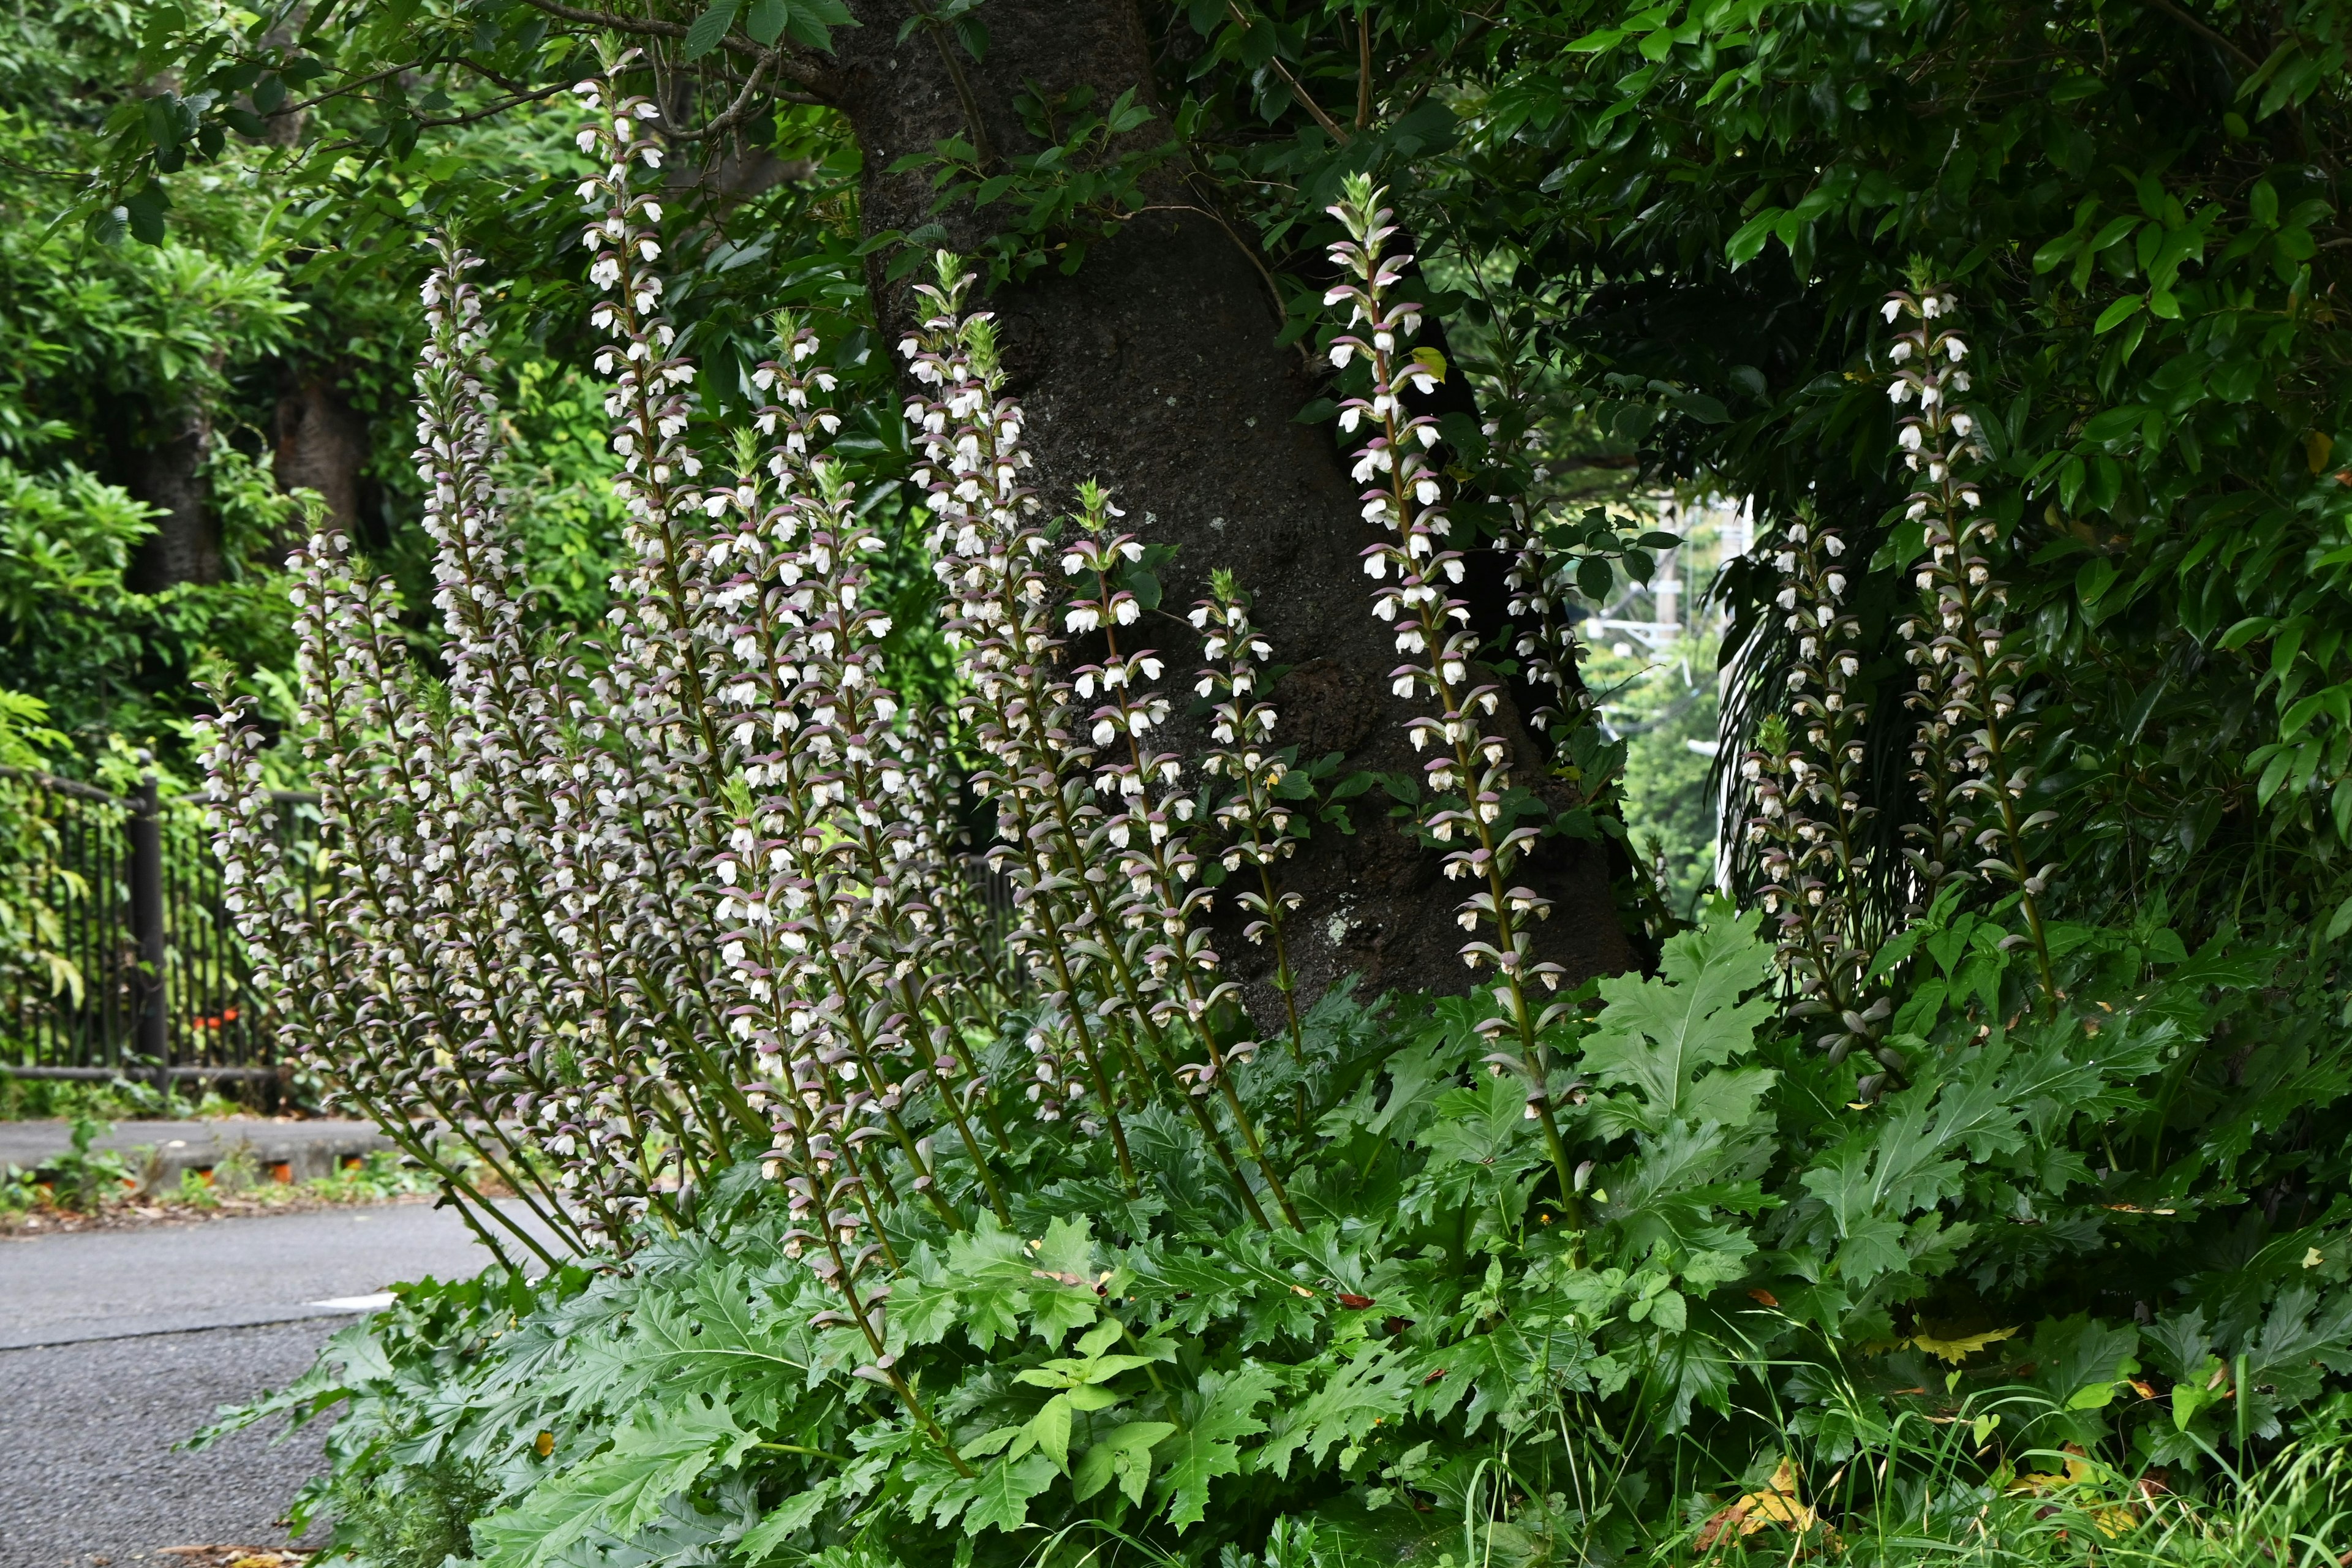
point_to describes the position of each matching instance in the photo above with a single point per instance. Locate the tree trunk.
(166, 472)
(321, 445)
(1155, 369)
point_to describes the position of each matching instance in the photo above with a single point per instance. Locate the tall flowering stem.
(990, 556)
(1540, 581)
(1469, 778)
(765, 696)
(1253, 813)
(336, 1028)
(1971, 671)
(1082, 929)
(1155, 827)
(1808, 833)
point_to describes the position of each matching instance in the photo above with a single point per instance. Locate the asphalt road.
(116, 1345)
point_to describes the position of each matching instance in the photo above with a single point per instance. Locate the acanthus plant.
(1970, 749)
(1473, 798)
(905, 1225)
(1972, 754)
(1107, 908)
(1258, 808)
(624, 921)
(1809, 834)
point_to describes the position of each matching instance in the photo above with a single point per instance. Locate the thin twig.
(808, 76)
(2194, 26)
(1330, 126)
(983, 153)
(1429, 53)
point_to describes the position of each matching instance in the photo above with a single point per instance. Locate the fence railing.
(147, 979)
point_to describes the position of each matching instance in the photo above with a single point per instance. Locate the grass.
(1948, 1490)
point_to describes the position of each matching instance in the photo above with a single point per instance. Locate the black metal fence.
(142, 974)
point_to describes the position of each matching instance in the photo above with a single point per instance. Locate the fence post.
(151, 1031)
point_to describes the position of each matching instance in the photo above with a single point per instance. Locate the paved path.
(115, 1345)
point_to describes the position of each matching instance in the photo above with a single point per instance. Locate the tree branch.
(513, 102)
(731, 116)
(982, 152)
(1429, 53)
(343, 89)
(2194, 26)
(801, 72)
(1330, 126)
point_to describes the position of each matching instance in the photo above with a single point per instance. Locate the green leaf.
(1748, 241)
(2054, 253)
(1124, 1454)
(701, 1337)
(146, 213)
(1376, 1382)
(1049, 1429)
(2340, 922)
(658, 1455)
(1064, 1298)
(1483, 1125)
(814, 21)
(795, 1514)
(765, 20)
(989, 1282)
(1001, 1499)
(1594, 578)
(1670, 1038)
(2092, 1396)
(709, 28)
(2117, 315)
(1221, 1411)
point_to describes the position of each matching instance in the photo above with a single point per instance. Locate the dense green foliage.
(1758, 1271)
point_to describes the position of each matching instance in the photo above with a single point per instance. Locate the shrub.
(912, 1234)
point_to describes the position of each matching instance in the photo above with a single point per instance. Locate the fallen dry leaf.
(1959, 1347)
(1776, 1503)
(211, 1556)
(2111, 1519)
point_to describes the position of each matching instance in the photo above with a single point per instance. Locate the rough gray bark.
(1155, 369)
(321, 444)
(166, 472)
